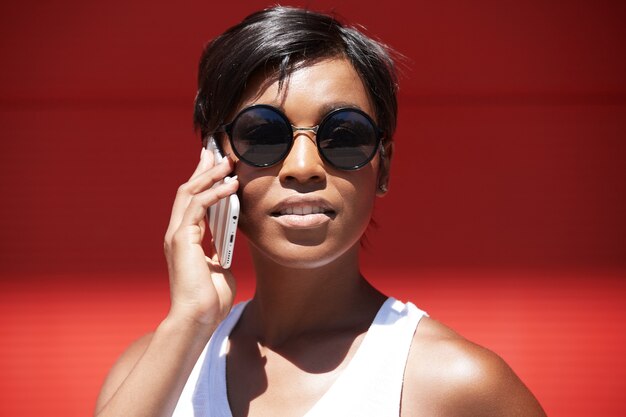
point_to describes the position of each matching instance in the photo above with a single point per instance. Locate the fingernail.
(203, 159)
(229, 179)
(226, 157)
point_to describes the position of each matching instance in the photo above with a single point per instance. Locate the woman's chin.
(299, 256)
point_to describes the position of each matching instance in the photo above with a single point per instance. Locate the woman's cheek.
(250, 195)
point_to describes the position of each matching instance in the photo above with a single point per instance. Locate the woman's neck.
(290, 302)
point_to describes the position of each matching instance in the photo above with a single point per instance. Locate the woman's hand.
(149, 377)
(201, 290)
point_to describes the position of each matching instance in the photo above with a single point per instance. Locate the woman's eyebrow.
(322, 111)
(328, 107)
(325, 108)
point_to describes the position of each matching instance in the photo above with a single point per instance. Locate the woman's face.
(302, 212)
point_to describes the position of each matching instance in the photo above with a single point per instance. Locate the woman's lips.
(302, 210)
(303, 221)
(303, 213)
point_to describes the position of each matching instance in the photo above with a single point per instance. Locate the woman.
(317, 338)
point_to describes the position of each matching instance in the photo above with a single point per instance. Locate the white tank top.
(370, 385)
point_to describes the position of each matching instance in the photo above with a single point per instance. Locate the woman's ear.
(386, 153)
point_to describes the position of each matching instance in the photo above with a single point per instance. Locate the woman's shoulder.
(447, 374)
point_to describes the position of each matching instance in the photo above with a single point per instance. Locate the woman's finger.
(199, 203)
(206, 161)
(202, 181)
(181, 201)
(207, 178)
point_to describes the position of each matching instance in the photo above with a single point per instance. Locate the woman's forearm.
(149, 383)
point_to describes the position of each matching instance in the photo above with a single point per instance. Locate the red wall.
(505, 217)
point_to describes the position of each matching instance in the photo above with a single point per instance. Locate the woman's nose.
(303, 164)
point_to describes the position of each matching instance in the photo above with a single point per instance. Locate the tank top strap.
(204, 394)
(371, 384)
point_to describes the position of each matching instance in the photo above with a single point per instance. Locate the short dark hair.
(280, 40)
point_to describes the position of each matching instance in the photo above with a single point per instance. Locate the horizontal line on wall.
(515, 99)
(52, 103)
(421, 100)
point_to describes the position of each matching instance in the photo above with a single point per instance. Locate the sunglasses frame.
(228, 129)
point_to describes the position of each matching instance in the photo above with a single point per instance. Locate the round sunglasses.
(261, 136)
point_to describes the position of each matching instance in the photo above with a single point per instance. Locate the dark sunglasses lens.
(347, 139)
(261, 136)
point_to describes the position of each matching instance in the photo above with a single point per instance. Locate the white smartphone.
(222, 218)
